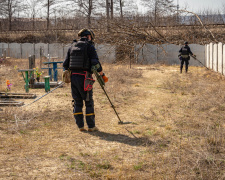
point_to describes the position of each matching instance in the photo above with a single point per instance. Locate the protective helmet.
(85, 32)
(186, 42)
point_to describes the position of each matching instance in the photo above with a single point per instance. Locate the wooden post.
(32, 62)
(41, 56)
(31, 66)
(4, 54)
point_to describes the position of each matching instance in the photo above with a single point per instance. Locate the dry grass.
(178, 124)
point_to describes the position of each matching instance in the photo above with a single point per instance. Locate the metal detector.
(102, 84)
(194, 57)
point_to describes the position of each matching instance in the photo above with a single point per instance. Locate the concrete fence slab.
(148, 54)
(220, 58)
(38, 48)
(207, 55)
(4, 46)
(169, 54)
(199, 51)
(211, 55)
(15, 50)
(215, 57)
(106, 52)
(27, 49)
(223, 59)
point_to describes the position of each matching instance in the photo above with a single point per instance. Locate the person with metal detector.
(184, 56)
(81, 56)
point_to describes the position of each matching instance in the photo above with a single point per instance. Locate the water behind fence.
(148, 54)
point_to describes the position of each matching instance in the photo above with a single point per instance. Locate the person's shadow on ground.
(132, 141)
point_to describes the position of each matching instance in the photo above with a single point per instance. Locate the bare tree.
(50, 5)
(159, 8)
(111, 8)
(84, 7)
(33, 6)
(121, 8)
(9, 8)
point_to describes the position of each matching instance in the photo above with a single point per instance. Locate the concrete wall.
(216, 53)
(148, 54)
(168, 54)
(224, 59)
(207, 55)
(215, 57)
(220, 58)
(211, 55)
(106, 52)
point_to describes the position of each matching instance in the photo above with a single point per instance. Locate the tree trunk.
(111, 9)
(121, 9)
(10, 14)
(48, 7)
(107, 13)
(89, 13)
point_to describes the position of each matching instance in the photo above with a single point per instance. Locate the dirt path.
(175, 134)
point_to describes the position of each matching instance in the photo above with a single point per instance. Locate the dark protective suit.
(185, 53)
(77, 87)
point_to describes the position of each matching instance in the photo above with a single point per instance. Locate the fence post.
(4, 54)
(21, 51)
(157, 53)
(34, 48)
(41, 56)
(8, 53)
(31, 66)
(63, 52)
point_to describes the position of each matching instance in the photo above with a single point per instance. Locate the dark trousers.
(182, 63)
(79, 96)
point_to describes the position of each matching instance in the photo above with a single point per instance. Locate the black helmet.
(85, 32)
(186, 43)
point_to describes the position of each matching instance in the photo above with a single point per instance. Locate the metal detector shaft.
(120, 122)
(199, 61)
(102, 83)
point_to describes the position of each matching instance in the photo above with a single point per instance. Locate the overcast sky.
(135, 6)
(196, 5)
